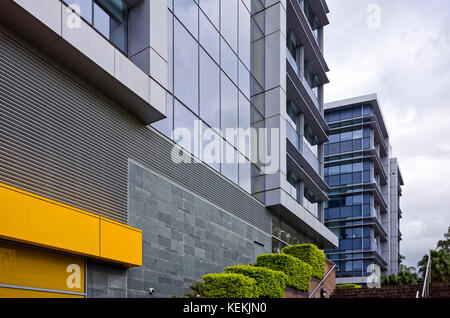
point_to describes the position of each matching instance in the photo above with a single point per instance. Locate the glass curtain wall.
(212, 81)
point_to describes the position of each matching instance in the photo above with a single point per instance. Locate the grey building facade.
(94, 95)
(365, 188)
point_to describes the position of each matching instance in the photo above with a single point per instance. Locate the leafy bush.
(229, 285)
(298, 272)
(347, 286)
(270, 283)
(197, 289)
(310, 254)
(406, 276)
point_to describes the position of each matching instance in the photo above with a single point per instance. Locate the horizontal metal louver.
(62, 139)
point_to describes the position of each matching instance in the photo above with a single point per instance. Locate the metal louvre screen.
(62, 139)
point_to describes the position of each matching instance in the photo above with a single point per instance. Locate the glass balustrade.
(310, 154)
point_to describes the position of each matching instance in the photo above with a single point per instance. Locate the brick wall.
(329, 284)
(440, 290)
(437, 290)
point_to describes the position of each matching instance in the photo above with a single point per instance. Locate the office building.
(117, 171)
(365, 188)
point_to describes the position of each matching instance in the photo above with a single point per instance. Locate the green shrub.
(310, 254)
(197, 289)
(298, 272)
(229, 285)
(270, 283)
(347, 286)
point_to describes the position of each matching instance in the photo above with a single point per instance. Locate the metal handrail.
(426, 281)
(321, 282)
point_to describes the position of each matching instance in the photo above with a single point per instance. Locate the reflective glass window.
(209, 37)
(229, 61)
(230, 165)
(229, 22)
(83, 7)
(186, 67)
(211, 147)
(245, 174)
(229, 106)
(244, 35)
(187, 12)
(211, 8)
(187, 121)
(209, 90)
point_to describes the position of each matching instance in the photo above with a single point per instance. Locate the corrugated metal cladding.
(62, 139)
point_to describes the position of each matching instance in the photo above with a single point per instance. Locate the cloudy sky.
(404, 57)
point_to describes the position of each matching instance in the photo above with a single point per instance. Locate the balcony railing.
(313, 93)
(310, 156)
(293, 62)
(293, 136)
(307, 153)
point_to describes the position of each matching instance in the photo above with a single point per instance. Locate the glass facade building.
(191, 132)
(212, 82)
(358, 169)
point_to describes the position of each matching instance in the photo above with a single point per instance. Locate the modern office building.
(365, 189)
(118, 173)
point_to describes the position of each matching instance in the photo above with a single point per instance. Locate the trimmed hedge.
(229, 285)
(270, 283)
(347, 286)
(310, 254)
(298, 272)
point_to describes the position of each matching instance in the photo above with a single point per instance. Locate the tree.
(406, 276)
(445, 243)
(440, 265)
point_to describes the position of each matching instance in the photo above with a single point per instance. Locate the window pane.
(346, 135)
(209, 91)
(187, 121)
(357, 134)
(346, 146)
(186, 67)
(346, 168)
(357, 144)
(346, 114)
(346, 179)
(187, 12)
(334, 138)
(229, 106)
(244, 123)
(211, 9)
(211, 147)
(84, 7)
(229, 61)
(244, 35)
(229, 22)
(244, 80)
(357, 112)
(209, 37)
(101, 21)
(229, 166)
(245, 174)
(334, 148)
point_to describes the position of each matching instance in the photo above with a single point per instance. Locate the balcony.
(303, 147)
(310, 156)
(298, 23)
(313, 93)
